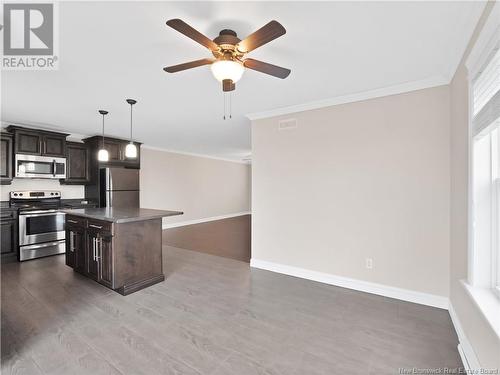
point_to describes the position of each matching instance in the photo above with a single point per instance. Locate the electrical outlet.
(369, 263)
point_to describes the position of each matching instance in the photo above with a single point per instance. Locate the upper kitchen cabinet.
(116, 150)
(6, 146)
(38, 142)
(77, 164)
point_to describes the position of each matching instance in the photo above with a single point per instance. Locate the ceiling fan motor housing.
(227, 41)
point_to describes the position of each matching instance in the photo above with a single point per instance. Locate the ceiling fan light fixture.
(227, 69)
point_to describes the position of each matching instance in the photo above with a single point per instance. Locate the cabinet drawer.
(100, 226)
(7, 214)
(75, 221)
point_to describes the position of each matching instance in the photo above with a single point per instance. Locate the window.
(486, 175)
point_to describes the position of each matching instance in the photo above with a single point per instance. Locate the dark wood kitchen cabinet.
(89, 248)
(75, 245)
(38, 142)
(8, 234)
(92, 266)
(54, 145)
(77, 164)
(116, 149)
(123, 249)
(6, 162)
(105, 259)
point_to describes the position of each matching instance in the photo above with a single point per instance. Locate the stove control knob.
(51, 193)
(20, 194)
(15, 194)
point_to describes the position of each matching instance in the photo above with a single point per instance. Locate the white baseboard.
(204, 220)
(363, 286)
(467, 354)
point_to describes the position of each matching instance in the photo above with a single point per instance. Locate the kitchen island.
(120, 248)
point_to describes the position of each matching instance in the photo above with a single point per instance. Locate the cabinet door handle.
(72, 221)
(93, 247)
(95, 226)
(98, 249)
(71, 242)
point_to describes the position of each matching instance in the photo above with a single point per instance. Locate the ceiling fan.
(229, 61)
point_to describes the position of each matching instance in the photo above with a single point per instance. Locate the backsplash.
(20, 184)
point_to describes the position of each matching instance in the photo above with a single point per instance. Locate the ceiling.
(110, 51)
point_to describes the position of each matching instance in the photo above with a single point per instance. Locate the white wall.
(354, 181)
(200, 187)
(20, 184)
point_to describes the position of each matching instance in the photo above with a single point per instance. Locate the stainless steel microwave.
(34, 166)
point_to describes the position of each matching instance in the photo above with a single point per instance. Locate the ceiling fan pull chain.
(224, 97)
(230, 104)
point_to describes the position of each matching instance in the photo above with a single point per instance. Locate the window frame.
(478, 258)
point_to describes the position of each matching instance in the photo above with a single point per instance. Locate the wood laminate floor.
(212, 315)
(230, 238)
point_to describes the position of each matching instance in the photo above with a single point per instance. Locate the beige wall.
(481, 336)
(20, 184)
(198, 186)
(354, 181)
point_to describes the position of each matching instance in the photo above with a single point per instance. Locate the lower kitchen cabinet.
(8, 235)
(91, 254)
(75, 247)
(89, 249)
(123, 253)
(105, 261)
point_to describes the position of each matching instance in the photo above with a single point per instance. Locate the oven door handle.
(41, 213)
(48, 244)
(54, 164)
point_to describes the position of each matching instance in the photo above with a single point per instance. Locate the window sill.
(487, 302)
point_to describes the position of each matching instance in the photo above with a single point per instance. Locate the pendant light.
(103, 154)
(131, 148)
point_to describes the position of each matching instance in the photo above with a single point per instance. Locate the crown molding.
(352, 98)
(486, 42)
(78, 138)
(154, 148)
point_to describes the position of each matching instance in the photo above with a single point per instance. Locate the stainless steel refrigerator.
(119, 187)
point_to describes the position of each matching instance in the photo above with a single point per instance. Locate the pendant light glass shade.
(103, 154)
(131, 148)
(131, 151)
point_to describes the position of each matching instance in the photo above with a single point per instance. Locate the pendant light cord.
(103, 131)
(131, 122)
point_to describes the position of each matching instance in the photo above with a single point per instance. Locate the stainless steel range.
(41, 225)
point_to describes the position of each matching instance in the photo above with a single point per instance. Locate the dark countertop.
(65, 203)
(77, 203)
(121, 215)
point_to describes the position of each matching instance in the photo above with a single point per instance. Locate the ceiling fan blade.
(260, 66)
(192, 33)
(188, 65)
(264, 35)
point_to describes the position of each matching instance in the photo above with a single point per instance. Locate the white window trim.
(486, 299)
(487, 42)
